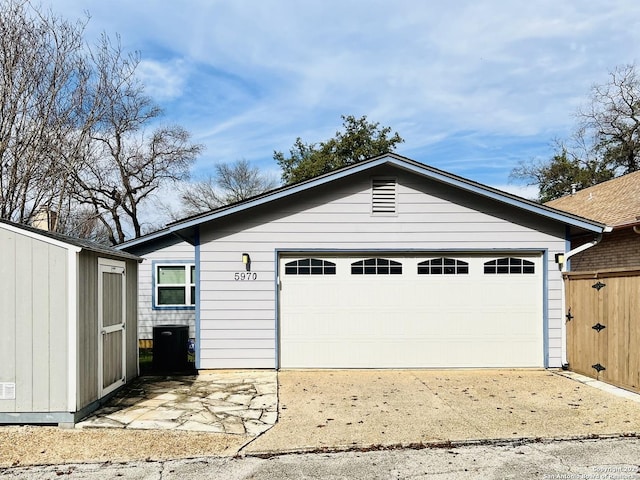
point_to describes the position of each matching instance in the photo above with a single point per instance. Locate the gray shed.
(68, 322)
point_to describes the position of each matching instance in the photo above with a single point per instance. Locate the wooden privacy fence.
(603, 325)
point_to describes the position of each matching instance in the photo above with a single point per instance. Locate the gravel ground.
(36, 445)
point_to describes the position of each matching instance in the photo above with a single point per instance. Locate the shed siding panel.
(34, 323)
(41, 327)
(87, 389)
(132, 319)
(429, 217)
(147, 316)
(8, 358)
(59, 333)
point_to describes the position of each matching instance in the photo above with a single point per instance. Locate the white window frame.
(187, 285)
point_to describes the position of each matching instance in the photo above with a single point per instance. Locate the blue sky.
(473, 87)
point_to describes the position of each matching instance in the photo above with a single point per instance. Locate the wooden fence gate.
(603, 326)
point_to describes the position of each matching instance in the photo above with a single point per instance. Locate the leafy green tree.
(562, 174)
(359, 140)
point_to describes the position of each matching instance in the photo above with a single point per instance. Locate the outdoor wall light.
(560, 258)
(246, 259)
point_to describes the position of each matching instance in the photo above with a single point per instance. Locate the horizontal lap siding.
(238, 318)
(147, 316)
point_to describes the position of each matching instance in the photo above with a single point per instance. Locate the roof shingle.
(615, 202)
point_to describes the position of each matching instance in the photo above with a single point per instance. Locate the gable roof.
(185, 228)
(615, 202)
(65, 241)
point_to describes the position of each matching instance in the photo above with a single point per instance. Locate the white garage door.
(411, 311)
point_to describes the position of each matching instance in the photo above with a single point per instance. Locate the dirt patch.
(34, 445)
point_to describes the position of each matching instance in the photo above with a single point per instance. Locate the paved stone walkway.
(241, 403)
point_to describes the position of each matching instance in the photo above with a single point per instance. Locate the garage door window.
(310, 266)
(443, 266)
(509, 266)
(376, 266)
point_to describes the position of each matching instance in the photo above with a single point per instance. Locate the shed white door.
(112, 325)
(374, 311)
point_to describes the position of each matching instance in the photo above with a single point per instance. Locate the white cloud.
(163, 80)
(469, 84)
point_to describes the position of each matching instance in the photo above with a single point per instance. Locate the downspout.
(564, 262)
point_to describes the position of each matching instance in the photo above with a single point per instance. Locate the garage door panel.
(410, 320)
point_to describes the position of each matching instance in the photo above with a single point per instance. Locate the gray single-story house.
(388, 263)
(69, 323)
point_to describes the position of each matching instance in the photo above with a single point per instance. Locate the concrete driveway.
(362, 408)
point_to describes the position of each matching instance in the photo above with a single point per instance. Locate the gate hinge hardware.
(598, 327)
(569, 316)
(598, 368)
(599, 285)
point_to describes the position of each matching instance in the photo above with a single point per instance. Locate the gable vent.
(383, 198)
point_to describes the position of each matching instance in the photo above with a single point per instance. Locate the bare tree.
(605, 142)
(233, 182)
(612, 119)
(77, 131)
(42, 79)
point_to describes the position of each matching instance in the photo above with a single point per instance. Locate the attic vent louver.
(383, 198)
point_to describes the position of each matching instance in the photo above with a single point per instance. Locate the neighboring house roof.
(615, 202)
(185, 228)
(79, 243)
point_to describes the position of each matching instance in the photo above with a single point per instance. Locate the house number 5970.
(239, 276)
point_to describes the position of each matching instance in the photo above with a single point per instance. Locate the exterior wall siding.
(148, 317)
(34, 323)
(238, 317)
(618, 249)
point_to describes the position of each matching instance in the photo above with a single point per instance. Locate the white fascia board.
(42, 238)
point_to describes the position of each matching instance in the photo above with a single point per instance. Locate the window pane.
(193, 274)
(171, 295)
(396, 271)
(171, 274)
(330, 270)
(290, 270)
(193, 295)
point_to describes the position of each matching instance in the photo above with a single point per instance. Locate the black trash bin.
(171, 349)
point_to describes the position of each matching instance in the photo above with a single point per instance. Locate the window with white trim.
(175, 285)
(509, 266)
(376, 266)
(443, 266)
